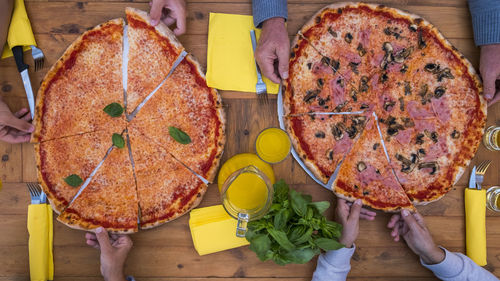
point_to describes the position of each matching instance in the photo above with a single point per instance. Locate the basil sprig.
(179, 135)
(114, 109)
(294, 230)
(118, 140)
(73, 180)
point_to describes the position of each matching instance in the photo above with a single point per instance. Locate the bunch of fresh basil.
(294, 230)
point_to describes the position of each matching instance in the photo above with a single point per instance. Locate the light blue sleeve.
(485, 21)
(334, 265)
(459, 267)
(266, 9)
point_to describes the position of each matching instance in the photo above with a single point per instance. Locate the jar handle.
(241, 228)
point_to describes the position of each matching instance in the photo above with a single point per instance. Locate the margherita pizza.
(99, 168)
(423, 97)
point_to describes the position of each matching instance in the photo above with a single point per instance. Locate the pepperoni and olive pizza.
(422, 100)
(102, 166)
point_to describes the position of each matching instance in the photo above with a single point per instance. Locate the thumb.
(489, 79)
(156, 11)
(103, 238)
(495, 99)
(413, 221)
(19, 124)
(355, 210)
(283, 61)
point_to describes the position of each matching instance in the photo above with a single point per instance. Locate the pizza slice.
(322, 141)
(166, 189)
(307, 89)
(110, 199)
(60, 158)
(184, 116)
(366, 173)
(152, 52)
(86, 79)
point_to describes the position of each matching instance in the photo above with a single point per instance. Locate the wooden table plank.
(451, 3)
(74, 18)
(166, 253)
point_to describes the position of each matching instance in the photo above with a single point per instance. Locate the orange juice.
(493, 198)
(248, 191)
(273, 145)
(491, 138)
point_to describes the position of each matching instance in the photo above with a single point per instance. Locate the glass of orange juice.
(491, 138)
(247, 195)
(493, 198)
(273, 145)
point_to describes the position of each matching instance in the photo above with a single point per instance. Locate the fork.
(35, 193)
(480, 171)
(260, 87)
(38, 57)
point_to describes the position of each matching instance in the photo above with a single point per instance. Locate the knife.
(475, 221)
(472, 179)
(23, 69)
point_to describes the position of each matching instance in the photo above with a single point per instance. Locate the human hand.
(15, 128)
(273, 45)
(348, 215)
(414, 231)
(489, 66)
(114, 249)
(169, 12)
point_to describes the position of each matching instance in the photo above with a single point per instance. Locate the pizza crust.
(194, 202)
(161, 28)
(221, 142)
(76, 222)
(302, 154)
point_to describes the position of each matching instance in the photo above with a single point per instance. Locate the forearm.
(458, 267)
(334, 265)
(266, 9)
(5, 14)
(485, 21)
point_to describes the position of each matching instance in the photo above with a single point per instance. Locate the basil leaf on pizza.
(118, 140)
(114, 109)
(178, 135)
(73, 180)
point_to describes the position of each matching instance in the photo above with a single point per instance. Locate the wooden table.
(167, 251)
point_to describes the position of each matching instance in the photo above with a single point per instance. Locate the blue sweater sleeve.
(266, 9)
(485, 21)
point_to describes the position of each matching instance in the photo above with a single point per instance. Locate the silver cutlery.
(480, 171)
(23, 70)
(38, 57)
(260, 87)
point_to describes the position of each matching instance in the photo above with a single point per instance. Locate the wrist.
(273, 22)
(120, 277)
(114, 276)
(346, 242)
(435, 256)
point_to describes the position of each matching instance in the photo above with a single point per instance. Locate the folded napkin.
(213, 230)
(230, 59)
(20, 33)
(40, 242)
(475, 227)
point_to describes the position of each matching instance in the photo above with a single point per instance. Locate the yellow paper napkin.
(230, 59)
(475, 227)
(213, 230)
(40, 242)
(20, 33)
